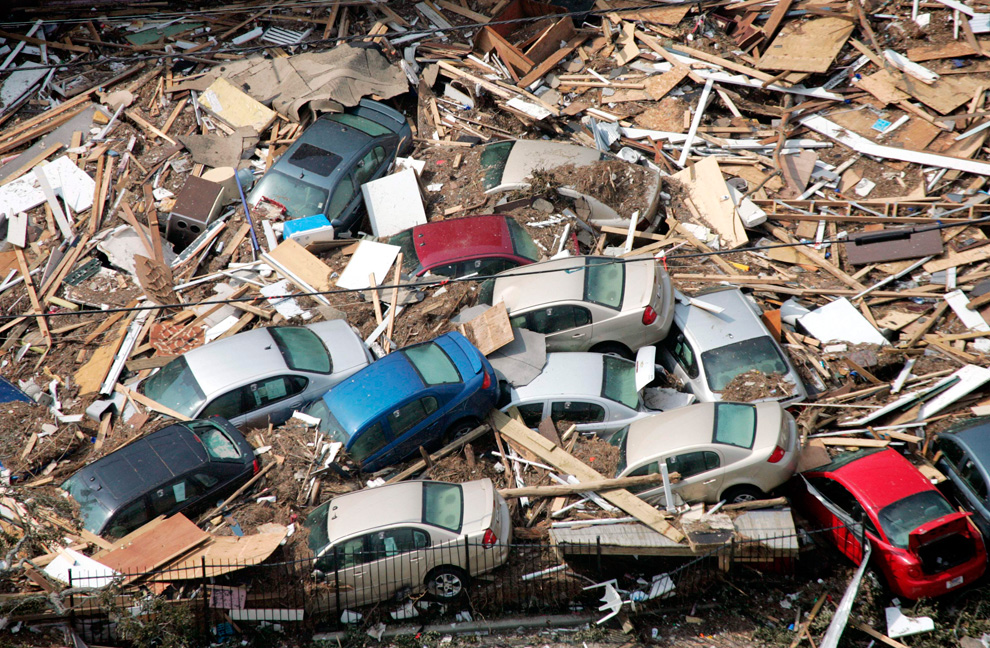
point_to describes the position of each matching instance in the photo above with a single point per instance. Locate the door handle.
(710, 481)
(578, 335)
(359, 574)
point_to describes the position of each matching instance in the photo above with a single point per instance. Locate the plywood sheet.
(489, 331)
(916, 134)
(170, 539)
(881, 85)
(303, 263)
(933, 51)
(945, 95)
(954, 259)
(809, 46)
(234, 107)
(659, 16)
(224, 554)
(710, 196)
(658, 86)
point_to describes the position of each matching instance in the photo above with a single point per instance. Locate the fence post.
(336, 584)
(598, 555)
(467, 556)
(206, 599)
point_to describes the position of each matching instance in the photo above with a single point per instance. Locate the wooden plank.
(32, 295)
(597, 486)
(953, 259)
(33, 162)
(807, 46)
(816, 258)
(562, 460)
(303, 263)
(772, 24)
(148, 551)
(148, 126)
(489, 331)
(91, 375)
(709, 193)
(222, 555)
(851, 442)
(551, 61)
(944, 96)
(149, 403)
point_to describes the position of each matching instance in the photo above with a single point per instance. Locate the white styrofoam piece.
(86, 572)
(841, 321)
(67, 180)
(220, 328)
(533, 110)
(394, 203)
(369, 257)
(899, 625)
(970, 378)
(403, 163)
(971, 319)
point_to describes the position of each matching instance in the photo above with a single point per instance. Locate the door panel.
(702, 473)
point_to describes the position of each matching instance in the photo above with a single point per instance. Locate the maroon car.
(482, 245)
(921, 544)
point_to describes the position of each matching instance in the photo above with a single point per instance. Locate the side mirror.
(336, 223)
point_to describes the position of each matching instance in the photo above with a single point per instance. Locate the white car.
(722, 451)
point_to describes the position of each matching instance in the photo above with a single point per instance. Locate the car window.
(951, 450)
(577, 412)
(604, 282)
(902, 517)
(369, 165)
(229, 405)
(725, 363)
(368, 442)
(271, 390)
(363, 124)
(302, 349)
(204, 481)
(93, 512)
(735, 424)
(392, 542)
(683, 352)
(840, 497)
(130, 517)
(619, 381)
(404, 418)
(341, 197)
(433, 364)
(314, 159)
(651, 468)
(692, 463)
(329, 424)
(351, 553)
(175, 387)
(299, 198)
(443, 505)
(489, 266)
(522, 242)
(532, 413)
(558, 318)
(970, 474)
(168, 497)
(493, 159)
(218, 445)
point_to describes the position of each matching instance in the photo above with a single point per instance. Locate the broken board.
(916, 134)
(303, 264)
(224, 554)
(235, 108)
(489, 331)
(710, 196)
(809, 46)
(945, 95)
(148, 551)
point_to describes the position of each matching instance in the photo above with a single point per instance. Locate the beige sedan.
(588, 303)
(373, 543)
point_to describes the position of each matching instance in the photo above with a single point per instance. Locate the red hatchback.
(922, 545)
(482, 245)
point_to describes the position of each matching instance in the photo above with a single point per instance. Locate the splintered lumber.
(448, 449)
(574, 489)
(239, 491)
(549, 452)
(149, 403)
(35, 305)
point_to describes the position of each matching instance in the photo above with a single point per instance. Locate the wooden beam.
(150, 404)
(35, 304)
(592, 486)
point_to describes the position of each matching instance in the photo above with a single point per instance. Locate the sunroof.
(316, 160)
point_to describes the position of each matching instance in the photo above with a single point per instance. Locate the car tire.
(458, 429)
(739, 494)
(446, 583)
(614, 349)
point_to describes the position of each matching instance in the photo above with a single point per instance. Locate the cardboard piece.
(520, 361)
(370, 257)
(394, 203)
(234, 107)
(711, 197)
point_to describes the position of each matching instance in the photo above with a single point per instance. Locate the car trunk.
(943, 543)
(478, 511)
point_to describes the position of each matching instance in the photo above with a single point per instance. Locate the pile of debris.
(826, 158)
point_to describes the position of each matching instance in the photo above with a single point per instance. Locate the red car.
(923, 546)
(482, 245)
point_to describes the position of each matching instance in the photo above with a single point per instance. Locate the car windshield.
(604, 282)
(302, 349)
(433, 364)
(735, 424)
(315, 160)
(404, 239)
(329, 425)
(493, 160)
(218, 445)
(443, 505)
(93, 513)
(364, 125)
(299, 198)
(725, 363)
(522, 242)
(316, 522)
(619, 440)
(619, 381)
(175, 387)
(902, 517)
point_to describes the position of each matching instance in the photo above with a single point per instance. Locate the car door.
(128, 518)
(399, 561)
(842, 515)
(417, 422)
(371, 445)
(967, 480)
(341, 203)
(589, 416)
(702, 473)
(267, 400)
(680, 358)
(567, 327)
(345, 567)
(180, 494)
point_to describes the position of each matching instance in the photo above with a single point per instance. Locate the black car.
(181, 468)
(962, 453)
(322, 172)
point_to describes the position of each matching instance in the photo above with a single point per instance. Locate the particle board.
(234, 107)
(916, 134)
(710, 196)
(224, 554)
(943, 96)
(489, 331)
(882, 86)
(953, 259)
(302, 263)
(933, 51)
(809, 46)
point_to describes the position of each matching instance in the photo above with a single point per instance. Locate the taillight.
(256, 466)
(487, 382)
(649, 315)
(489, 540)
(778, 454)
(914, 571)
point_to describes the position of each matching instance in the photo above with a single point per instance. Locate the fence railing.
(392, 583)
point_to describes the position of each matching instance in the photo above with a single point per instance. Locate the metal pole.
(255, 247)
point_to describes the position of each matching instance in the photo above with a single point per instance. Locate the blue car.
(418, 396)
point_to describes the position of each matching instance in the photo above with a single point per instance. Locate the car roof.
(663, 432)
(975, 435)
(325, 134)
(878, 479)
(232, 361)
(445, 241)
(709, 330)
(400, 503)
(144, 464)
(573, 374)
(529, 290)
(529, 155)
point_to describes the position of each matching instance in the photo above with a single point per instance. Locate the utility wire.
(518, 272)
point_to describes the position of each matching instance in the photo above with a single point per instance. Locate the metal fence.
(463, 580)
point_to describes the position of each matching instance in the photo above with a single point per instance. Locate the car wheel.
(458, 430)
(614, 349)
(446, 583)
(740, 494)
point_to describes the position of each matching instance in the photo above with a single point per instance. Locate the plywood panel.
(710, 196)
(945, 95)
(224, 554)
(171, 538)
(916, 134)
(809, 46)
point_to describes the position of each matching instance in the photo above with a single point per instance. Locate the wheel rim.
(744, 497)
(447, 585)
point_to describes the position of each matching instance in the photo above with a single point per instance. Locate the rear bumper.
(938, 584)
